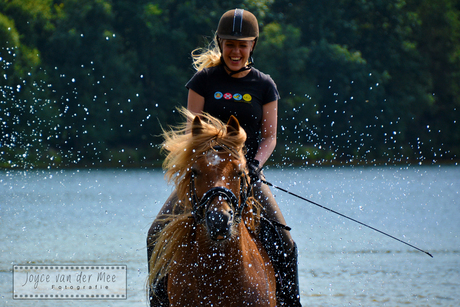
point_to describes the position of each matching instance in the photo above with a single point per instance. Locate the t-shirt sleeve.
(197, 83)
(271, 93)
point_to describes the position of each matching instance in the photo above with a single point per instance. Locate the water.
(102, 217)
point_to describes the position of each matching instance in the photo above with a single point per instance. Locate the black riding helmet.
(238, 24)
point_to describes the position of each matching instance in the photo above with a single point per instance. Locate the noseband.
(202, 205)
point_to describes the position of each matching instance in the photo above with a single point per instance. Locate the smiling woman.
(237, 34)
(235, 54)
(239, 31)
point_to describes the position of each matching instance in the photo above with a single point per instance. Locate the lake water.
(102, 217)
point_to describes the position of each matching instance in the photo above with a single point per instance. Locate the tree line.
(92, 82)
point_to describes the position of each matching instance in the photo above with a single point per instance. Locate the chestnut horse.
(210, 251)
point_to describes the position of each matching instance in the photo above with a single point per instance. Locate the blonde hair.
(209, 56)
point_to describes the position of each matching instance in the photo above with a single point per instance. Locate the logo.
(247, 97)
(218, 95)
(237, 97)
(69, 282)
(228, 96)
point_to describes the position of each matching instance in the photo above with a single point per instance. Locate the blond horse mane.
(183, 148)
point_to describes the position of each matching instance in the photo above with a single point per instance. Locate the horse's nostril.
(219, 223)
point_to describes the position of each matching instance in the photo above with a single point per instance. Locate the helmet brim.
(237, 38)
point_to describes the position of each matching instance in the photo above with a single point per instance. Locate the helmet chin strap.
(234, 72)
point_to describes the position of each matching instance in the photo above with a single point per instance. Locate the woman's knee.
(272, 212)
(288, 241)
(270, 207)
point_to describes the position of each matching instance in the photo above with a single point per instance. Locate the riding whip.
(342, 215)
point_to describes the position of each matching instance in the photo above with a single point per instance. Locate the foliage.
(90, 83)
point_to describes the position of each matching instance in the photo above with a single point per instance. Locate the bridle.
(199, 207)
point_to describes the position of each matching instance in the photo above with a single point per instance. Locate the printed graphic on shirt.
(246, 98)
(237, 97)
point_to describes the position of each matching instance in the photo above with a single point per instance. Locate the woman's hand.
(254, 170)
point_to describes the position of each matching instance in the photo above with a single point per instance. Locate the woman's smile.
(236, 53)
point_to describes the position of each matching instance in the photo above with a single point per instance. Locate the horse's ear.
(233, 125)
(197, 126)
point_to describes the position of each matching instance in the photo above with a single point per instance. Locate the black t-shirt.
(242, 97)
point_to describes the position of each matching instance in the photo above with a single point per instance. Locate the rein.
(202, 205)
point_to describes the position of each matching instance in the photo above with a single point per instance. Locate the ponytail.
(207, 57)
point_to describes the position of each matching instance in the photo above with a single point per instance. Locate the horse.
(209, 253)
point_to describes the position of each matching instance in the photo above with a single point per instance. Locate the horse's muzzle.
(219, 224)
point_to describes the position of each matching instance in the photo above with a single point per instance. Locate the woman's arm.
(195, 102)
(268, 132)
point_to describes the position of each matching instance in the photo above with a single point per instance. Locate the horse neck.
(236, 268)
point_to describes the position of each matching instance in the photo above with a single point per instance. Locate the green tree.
(371, 80)
(438, 39)
(28, 114)
(92, 82)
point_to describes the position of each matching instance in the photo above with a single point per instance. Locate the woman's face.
(236, 53)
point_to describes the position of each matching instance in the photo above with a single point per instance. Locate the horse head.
(206, 162)
(218, 184)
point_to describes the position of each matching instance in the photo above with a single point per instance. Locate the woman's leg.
(272, 212)
(160, 298)
(158, 224)
(284, 261)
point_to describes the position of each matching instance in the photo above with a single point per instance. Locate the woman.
(226, 84)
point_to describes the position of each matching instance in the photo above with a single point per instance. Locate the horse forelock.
(184, 149)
